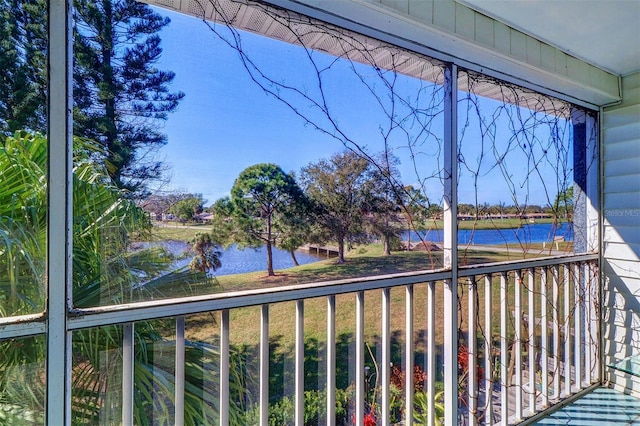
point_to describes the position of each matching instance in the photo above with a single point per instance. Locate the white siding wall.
(621, 237)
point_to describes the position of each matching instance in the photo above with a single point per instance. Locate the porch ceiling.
(604, 33)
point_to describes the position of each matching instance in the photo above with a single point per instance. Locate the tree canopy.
(119, 94)
(262, 198)
(337, 189)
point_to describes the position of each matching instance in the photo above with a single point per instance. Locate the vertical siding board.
(444, 13)
(502, 38)
(518, 45)
(399, 5)
(561, 63)
(422, 11)
(547, 57)
(465, 22)
(484, 30)
(534, 56)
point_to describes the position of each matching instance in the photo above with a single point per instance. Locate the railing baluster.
(299, 379)
(224, 367)
(504, 352)
(567, 330)
(431, 352)
(517, 342)
(128, 351)
(544, 340)
(360, 378)
(473, 352)
(488, 350)
(578, 318)
(532, 342)
(331, 360)
(409, 349)
(595, 323)
(556, 332)
(264, 365)
(179, 372)
(386, 355)
(592, 327)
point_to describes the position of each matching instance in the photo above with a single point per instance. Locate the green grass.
(175, 231)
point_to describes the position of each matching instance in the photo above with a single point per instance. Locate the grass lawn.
(362, 261)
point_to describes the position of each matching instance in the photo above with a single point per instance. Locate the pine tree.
(119, 95)
(23, 65)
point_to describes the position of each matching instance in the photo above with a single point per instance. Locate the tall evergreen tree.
(120, 96)
(23, 65)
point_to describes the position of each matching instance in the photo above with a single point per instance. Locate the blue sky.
(226, 123)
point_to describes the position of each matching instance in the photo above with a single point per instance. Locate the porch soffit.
(247, 16)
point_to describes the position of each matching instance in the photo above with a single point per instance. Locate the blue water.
(236, 261)
(529, 233)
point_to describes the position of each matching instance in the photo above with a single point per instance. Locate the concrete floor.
(601, 407)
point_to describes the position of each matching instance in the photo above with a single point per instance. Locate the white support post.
(224, 367)
(128, 352)
(596, 323)
(264, 365)
(504, 351)
(593, 324)
(567, 330)
(488, 351)
(578, 318)
(299, 379)
(532, 340)
(555, 273)
(409, 349)
(385, 370)
(517, 342)
(331, 360)
(473, 353)
(544, 339)
(179, 372)
(450, 245)
(59, 213)
(360, 378)
(431, 352)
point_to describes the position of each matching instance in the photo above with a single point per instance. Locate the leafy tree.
(262, 196)
(563, 204)
(294, 227)
(120, 96)
(187, 208)
(337, 190)
(159, 204)
(384, 202)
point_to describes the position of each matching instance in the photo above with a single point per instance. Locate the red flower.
(369, 420)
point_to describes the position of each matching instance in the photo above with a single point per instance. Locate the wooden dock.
(329, 251)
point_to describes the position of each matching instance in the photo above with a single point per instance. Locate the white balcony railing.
(535, 325)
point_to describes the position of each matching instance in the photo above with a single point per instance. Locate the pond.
(529, 233)
(237, 261)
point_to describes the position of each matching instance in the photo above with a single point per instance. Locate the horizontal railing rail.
(119, 314)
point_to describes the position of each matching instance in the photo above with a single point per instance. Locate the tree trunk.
(293, 257)
(269, 249)
(386, 245)
(341, 250)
